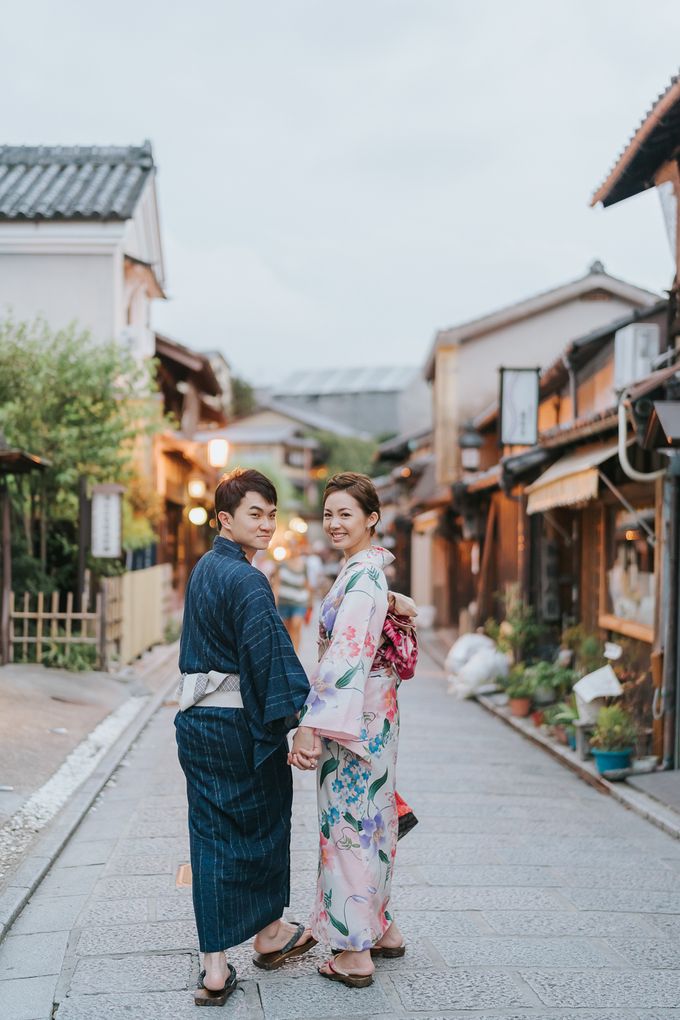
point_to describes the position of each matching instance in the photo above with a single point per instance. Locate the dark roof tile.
(72, 182)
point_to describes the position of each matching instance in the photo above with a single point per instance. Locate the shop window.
(629, 590)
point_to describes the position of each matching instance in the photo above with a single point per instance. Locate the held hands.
(306, 749)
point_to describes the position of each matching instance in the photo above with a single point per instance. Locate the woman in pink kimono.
(353, 707)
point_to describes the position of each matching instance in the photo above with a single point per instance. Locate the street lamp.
(198, 515)
(470, 443)
(218, 452)
(196, 488)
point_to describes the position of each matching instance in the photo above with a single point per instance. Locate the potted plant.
(564, 716)
(613, 739)
(519, 689)
(551, 682)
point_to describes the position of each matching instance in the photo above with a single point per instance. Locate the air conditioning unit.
(635, 348)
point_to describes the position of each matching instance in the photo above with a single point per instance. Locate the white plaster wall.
(466, 378)
(533, 342)
(62, 288)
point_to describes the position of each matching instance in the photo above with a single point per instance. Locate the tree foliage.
(343, 453)
(78, 404)
(243, 397)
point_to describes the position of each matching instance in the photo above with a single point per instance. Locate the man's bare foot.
(276, 935)
(216, 971)
(392, 939)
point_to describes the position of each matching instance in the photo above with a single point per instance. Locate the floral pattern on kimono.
(354, 707)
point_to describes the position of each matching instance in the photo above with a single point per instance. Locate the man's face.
(252, 524)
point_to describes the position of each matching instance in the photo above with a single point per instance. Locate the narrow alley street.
(522, 893)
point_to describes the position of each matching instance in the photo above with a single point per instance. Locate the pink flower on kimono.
(373, 836)
(349, 633)
(391, 704)
(326, 851)
(354, 648)
(369, 645)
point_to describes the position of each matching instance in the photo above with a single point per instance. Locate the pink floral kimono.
(353, 703)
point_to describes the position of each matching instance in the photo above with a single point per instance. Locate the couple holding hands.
(242, 689)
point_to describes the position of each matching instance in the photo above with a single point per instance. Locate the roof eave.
(612, 190)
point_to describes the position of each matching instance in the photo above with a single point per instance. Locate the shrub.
(615, 729)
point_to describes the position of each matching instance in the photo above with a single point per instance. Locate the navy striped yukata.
(239, 785)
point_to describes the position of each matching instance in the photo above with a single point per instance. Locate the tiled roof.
(656, 140)
(317, 382)
(40, 182)
(596, 279)
(312, 420)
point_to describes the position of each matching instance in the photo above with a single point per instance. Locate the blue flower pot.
(606, 760)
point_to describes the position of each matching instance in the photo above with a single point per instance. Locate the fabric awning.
(573, 479)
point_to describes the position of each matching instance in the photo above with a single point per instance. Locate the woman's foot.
(349, 962)
(352, 969)
(216, 971)
(392, 939)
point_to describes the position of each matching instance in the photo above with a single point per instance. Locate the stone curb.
(51, 842)
(642, 804)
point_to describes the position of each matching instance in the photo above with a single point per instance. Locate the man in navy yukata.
(241, 690)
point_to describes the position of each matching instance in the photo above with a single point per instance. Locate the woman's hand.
(306, 749)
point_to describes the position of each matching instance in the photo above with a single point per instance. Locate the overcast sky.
(339, 180)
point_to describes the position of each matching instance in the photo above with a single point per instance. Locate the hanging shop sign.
(107, 521)
(519, 396)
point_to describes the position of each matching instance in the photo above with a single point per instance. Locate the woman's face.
(346, 524)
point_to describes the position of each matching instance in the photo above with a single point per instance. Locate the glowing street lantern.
(297, 525)
(279, 553)
(218, 452)
(198, 515)
(196, 488)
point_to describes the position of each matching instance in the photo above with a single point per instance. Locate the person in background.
(293, 593)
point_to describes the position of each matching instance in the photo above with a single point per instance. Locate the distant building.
(80, 239)
(464, 361)
(379, 401)
(282, 437)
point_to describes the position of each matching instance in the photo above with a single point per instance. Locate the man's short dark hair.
(234, 486)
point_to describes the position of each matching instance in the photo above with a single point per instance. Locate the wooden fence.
(37, 625)
(130, 615)
(136, 610)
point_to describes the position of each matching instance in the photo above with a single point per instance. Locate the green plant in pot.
(551, 682)
(563, 719)
(519, 687)
(613, 740)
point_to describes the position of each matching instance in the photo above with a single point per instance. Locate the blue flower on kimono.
(355, 943)
(375, 744)
(321, 692)
(337, 785)
(333, 815)
(373, 835)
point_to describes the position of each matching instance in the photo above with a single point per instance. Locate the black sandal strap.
(229, 983)
(294, 939)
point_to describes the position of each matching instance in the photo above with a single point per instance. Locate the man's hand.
(306, 749)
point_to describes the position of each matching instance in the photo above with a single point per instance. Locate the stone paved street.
(522, 893)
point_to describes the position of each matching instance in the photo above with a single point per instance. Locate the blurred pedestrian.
(293, 592)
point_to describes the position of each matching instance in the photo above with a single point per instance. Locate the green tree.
(80, 405)
(243, 397)
(343, 453)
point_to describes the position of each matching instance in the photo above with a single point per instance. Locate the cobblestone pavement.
(522, 893)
